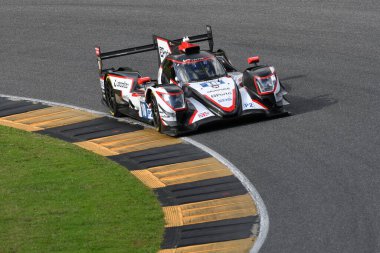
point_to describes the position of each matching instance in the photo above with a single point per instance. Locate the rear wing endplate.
(151, 47)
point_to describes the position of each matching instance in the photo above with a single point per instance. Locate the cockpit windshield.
(196, 70)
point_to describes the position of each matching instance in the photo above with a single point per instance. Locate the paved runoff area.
(206, 207)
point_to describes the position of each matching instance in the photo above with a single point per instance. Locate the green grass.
(56, 197)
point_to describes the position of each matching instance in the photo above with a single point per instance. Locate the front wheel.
(156, 115)
(111, 100)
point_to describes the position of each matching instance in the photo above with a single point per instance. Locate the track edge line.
(262, 210)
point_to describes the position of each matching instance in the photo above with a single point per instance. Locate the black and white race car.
(194, 87)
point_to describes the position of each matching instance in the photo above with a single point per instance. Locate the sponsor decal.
(224, 100)
(248, 105)
(163, 48)
(221, 92)
(202, 115)
(195, 60)
(217, 90)
(121, 84)
(213, 84)
(254, 105)
(163, 52)
(229, 93)
(146, 112)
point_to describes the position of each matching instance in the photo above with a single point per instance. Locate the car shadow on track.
(288, 86)
(298, 105)
(214, 126)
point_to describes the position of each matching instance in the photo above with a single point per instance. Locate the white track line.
(262, 210)
(264, 218)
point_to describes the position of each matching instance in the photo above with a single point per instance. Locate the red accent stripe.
(253, 59)
(144, 79)
(184, 45)
(227, 109)
(163, 122)
(257, 102)
(173, 81)
(192, 117)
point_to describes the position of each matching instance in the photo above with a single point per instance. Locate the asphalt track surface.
(317, 171)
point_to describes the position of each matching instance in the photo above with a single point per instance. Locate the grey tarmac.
(317, 171)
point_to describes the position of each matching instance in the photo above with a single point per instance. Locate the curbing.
(219, 203)
(262, 210)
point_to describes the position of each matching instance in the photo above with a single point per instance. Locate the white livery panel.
(248, 103)
(221, 92)
(201, 111)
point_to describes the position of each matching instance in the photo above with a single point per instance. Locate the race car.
(194, 87)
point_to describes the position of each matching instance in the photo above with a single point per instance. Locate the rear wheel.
(111, 100)
(156, 115)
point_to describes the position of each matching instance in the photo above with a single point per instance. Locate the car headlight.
(176, 101)
(266, 85)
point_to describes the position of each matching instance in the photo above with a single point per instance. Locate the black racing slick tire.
(156, 115)
(111, 100)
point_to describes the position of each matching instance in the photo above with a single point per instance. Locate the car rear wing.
(151, 47)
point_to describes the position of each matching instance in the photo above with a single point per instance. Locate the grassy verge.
(56, 197)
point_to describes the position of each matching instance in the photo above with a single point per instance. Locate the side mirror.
(143, 80)
(254, 59)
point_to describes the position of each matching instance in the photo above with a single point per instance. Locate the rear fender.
(122, 82)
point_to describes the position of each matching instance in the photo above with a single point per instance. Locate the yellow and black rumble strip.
(206, 207)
